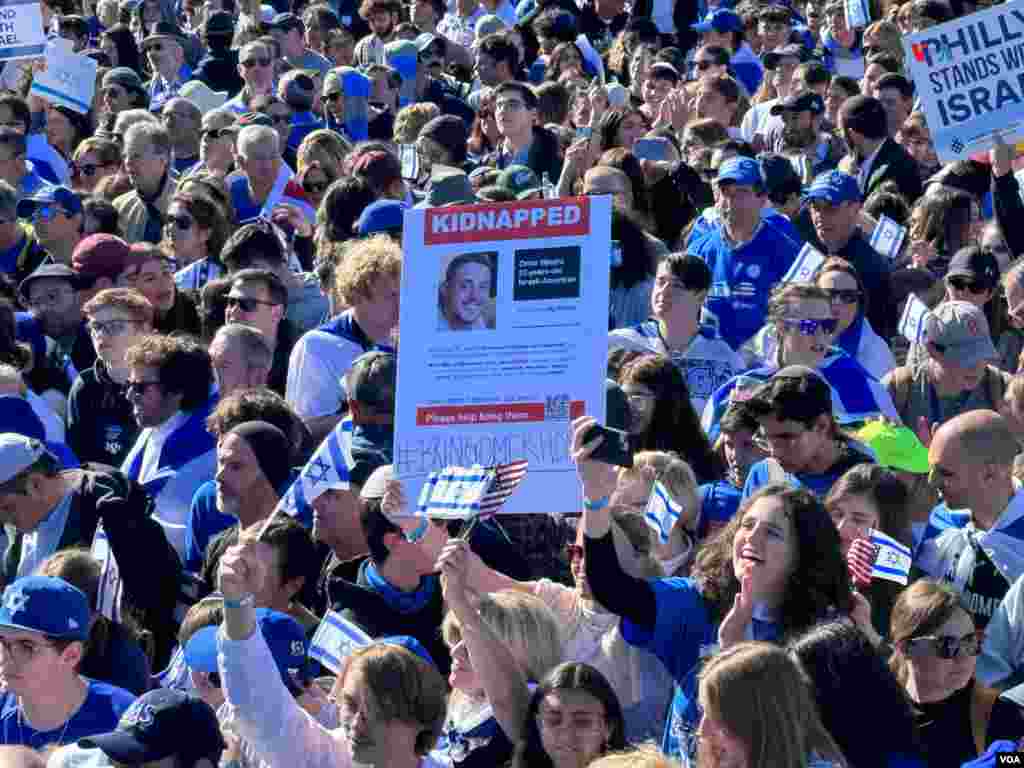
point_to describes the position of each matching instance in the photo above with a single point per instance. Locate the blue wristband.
(593, 506)
(247, 600)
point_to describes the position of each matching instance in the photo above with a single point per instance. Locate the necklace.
(28, 742)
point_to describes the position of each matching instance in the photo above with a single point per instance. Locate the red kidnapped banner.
(508, 413)
(567, 216)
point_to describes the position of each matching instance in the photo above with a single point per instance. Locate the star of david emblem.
(15, 599)
(319, 471)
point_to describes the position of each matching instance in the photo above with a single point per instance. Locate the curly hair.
(410, 121)
(183, 366)
(259, 405)
(322, 140)
(366, 262)
(819, 586)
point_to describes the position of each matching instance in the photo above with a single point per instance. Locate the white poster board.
(503, 341)
(69, 79)
(21, 30)
(969, 76)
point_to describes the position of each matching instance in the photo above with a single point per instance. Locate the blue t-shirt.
(683, 635)
(818, 484)
(743, 276)
(718, 504)
(100, 712)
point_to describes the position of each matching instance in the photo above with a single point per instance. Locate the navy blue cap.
(47, 605)
(48, 195)
(791, 50)
(286, 21)
(719, 20)
(381, 216)
(160, 724)
(283, 635)
(741, 170)
(801, 101)
(834, 187)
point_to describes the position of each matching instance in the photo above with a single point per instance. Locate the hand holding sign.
(1001, 156)
(67, 79)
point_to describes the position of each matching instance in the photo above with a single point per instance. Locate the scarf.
(849, 340)
(403, 602)
(154, 216)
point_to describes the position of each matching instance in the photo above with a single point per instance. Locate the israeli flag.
(892, 562)
(914, 322)
(662, 512)
(455, 493)
(888, 237)
(327, 469)
(857, 13)
(807, 261)
(335, 640)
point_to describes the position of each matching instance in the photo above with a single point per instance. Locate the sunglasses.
(249, 63)
(183, 223)
(155, 47)
(945, 647)
(335, 96)
(965, 284)
(843, 296)
(246, 305)
(88, 170)
(315, 187)
(112, 93)
(810, 327)
(217, 133)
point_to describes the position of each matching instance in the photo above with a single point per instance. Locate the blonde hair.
(524, 623)
(322, 140)
(762, 697)
(366, 262)
(410, 121)
(643, 756)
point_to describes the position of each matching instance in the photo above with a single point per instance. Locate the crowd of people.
(199, 287)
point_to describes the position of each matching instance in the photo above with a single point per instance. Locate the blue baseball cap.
(410, 644)
(50, 195)
(834, 187)
(719, 20)
(741, 170)
(47, 605)
(381, 216)
(284, 637)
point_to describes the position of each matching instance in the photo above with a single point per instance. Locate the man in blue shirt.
(44, 623)
(747, 254)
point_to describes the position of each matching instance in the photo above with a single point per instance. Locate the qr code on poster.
(556, 408)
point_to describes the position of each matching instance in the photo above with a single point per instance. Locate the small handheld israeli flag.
(914, 322)
(455, 493)
(857, 13)
(336, 639)
(662, 512)
(808, 260)
(892, 562)
(888, 237)
(327, 469)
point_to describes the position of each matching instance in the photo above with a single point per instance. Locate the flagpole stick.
(464, 533)
(266, 524)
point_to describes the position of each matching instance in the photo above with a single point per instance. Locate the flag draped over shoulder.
(327, 469)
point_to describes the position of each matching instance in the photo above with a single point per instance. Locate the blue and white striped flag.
(914, 321)
(807, 260)
(455, 493)
(888, 237)
(892, 561)
(327, 469)
(336, 639)
(662, 512)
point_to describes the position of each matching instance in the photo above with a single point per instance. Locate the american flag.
(507, 478)
(860, 559)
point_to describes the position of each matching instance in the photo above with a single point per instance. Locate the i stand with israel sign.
(969, 76)
(21, 29)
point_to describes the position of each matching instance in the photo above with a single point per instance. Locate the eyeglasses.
(217, 133)
(87, 169)
(966, 284)
(512, 105)
(581, 722)
(155, 47)
(767, 442)
(945, 647)
(22, 651)
(46, 213)
(139, 387)
(573, 552)
(110, 328)
(703, 64)
(315, 187)
(332, 96)
(112, 93)
(183, 223)
(639, 400)
(843, 296)
(246, 304)
(810, 327)
(261, 61)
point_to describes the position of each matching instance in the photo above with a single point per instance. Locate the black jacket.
(544, 156)
(101, 425)
(219, 70)
(182, 317)
(892, 163)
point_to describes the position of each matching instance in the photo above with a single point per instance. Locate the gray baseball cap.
(16, 453)
(960, 331)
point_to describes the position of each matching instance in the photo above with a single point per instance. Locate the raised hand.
(598, 479)
(243, 567)
(733, 628)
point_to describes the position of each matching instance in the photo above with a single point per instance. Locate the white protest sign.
(21, 30)
(888, 237)
(858, 15)
(807, 260)
(969, 76)
(504, 341)
(69, 79)
(914, 322)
